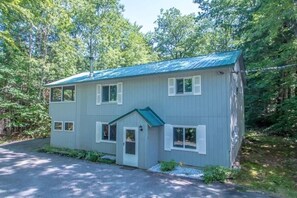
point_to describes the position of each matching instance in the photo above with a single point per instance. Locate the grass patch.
(269, 163)
(75, 153)
(218, 174)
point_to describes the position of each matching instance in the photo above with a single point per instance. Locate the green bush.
(218, 174)
(168, 166)
(92, 156)
(75, 153)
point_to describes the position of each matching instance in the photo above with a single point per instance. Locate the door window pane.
(113, 93)
(56, 94)
(178, 137)
(130, 142)
(104, 131)
(113, 132)
(188, 85)
(190, 138)
(105, 94)
(179, 86)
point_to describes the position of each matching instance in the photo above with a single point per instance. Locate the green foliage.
(168, 166)
(43, 41)
(269, 163)
(218, 174)
(75, 153)
(175, 35)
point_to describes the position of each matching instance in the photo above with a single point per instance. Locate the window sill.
(59, 102)
(182, 149)
(106, 141)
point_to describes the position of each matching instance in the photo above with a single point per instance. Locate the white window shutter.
(120, 93)
(171, 86)
(168, 137)
(98, 131)
(197, 85)
(201, 139)
(98, 95)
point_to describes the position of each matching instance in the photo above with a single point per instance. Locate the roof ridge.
(162, 61)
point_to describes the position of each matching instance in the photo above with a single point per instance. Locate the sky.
(145, 12)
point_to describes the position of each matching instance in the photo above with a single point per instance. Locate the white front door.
(130, 149)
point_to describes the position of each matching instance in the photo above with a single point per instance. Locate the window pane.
(113, 93)
(68, 126)
(188, 85)
(113, 132)
(56, 94)
(179, 86)
(68, 93)
(190, 138)
(105, 94)
(130, 142)
(178, 137)
(104, 131)
(58, 126)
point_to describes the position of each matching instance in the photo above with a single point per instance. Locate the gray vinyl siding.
(133, 120)
(152, 146)
(212, 109)
(57, 111)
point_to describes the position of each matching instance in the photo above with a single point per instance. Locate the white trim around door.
(130, 146)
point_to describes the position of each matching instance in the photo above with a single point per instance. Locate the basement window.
(58, 126)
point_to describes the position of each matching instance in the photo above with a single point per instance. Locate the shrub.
(92, 156)
(218, 174)
(75, 153)
(168, 166)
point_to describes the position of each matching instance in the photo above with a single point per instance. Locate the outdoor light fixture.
(220, 72)
(140, 128)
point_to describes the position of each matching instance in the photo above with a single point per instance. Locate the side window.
(105, 132)
(58, 126)
(69, 126)
(68, 93)
(59, 94)
(56, 94)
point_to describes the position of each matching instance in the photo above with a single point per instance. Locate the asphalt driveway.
(27, 173)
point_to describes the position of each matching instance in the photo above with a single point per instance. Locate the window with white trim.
(69, 126)
(110, 93)
(106, 132)
(184, 86)
(184, 138)
(63, 93)
(187, 138)
(58, 126)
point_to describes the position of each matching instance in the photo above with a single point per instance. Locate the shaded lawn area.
(269, 163)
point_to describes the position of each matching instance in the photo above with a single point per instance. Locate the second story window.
(63, 94)
(184, 86)
(109, 93)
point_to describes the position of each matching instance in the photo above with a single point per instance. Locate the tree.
(266, 31)
(175, 35)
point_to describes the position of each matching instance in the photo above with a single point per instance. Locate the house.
(190, 110)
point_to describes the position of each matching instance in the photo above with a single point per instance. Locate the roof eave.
(134, 76)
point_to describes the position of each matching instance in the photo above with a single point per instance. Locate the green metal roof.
(209, 61)
(147, 114)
